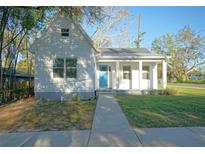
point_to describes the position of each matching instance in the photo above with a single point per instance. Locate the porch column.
(154, 76)
(140, 75)
(164, 74)
(96, 77)
(117, 74)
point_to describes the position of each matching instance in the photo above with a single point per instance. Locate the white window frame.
(71, 67)
(58, 67)
(64, 68)
(65, 32)
(146, 71)
(128, 72)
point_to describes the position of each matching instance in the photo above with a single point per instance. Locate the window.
(71, 67)
(145, 72)
(65, 66)
(58, 68)
(64, 32)
(127, 72)
(103, 67)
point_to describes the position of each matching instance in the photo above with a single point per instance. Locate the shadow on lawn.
(164, 111)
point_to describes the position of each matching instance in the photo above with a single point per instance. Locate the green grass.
(186, 109)
(188, 89)
(202, 81)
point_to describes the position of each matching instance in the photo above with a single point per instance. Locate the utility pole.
(138, 34)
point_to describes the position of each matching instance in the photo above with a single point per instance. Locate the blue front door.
(103, 76)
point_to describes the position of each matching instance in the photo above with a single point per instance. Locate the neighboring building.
(197, 76)
(19, 75)
(67, 63)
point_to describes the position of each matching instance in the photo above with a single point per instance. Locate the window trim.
(65, 68)
(65, 32)
(55, 67)
(127, 72)
(71, 67)
(146, 72)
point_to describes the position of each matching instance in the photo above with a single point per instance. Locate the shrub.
(91, 99)
(167, 91)
(145, 92)
(41, 100)
(154, 92)
(75, 97)
(170, 91)
(200, 81)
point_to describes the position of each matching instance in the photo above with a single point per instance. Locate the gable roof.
(78, 26)
(107, 53)
(116, 53)
(90, 41)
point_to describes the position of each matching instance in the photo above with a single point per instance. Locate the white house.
(67, 63)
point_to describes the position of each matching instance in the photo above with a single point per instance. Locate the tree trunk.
(2, 29)
(28, 66)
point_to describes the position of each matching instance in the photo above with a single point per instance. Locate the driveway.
(110, 128)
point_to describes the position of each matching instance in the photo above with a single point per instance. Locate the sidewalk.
(172, 137)
(110, 126)
(149, 137)
(77, 138)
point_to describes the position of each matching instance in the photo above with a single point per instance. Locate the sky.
(157, 21)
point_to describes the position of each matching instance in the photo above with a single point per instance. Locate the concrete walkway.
(110, 126)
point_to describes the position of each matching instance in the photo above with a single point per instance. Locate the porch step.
(119, 92)
(128, 92)
(105, 91)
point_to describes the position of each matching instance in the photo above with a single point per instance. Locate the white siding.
(52, 45)
(125, 83)
(146, 84)
(135, 76)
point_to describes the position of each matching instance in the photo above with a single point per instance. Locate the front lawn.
(186, 109)
(188, 89)
(32, 115)
(201, 81)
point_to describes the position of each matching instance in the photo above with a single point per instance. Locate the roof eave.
(131, 57)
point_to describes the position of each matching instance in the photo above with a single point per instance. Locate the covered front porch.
(127, 74)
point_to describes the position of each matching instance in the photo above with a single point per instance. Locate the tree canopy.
(19, 26)
(185, 50)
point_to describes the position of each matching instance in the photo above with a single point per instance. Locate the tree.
(19, 26)
(186, 51)
(89, 14)
(110, 34)
(16, 23)
(137, 43)
(24, 66)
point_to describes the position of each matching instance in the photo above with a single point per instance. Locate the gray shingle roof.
(7, 72)
(127, 53)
